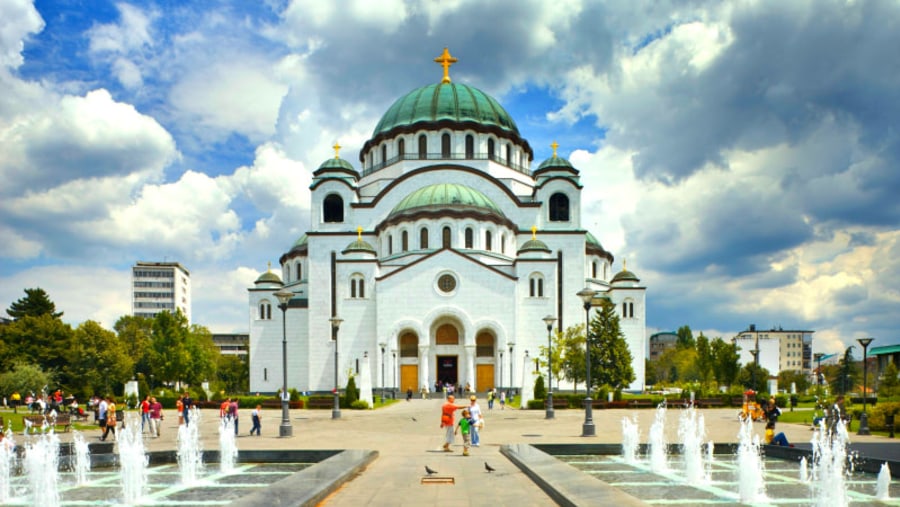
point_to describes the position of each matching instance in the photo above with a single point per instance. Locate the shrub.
(877, 415)
(359, 405)
(351, 393)
(540, 392)
(535, 404)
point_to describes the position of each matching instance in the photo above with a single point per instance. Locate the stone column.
(470, 366)
(423, 369)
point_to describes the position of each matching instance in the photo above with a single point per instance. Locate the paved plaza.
(407, 437)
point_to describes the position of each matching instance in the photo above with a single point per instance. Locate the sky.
(741, 156)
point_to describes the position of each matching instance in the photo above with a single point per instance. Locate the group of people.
(470, 423)
(151, 415)
(228, 412)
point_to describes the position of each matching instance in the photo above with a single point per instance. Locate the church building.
(436, 258)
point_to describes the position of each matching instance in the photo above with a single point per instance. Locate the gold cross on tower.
(359, 233)
(554, 145)
(446, 61)
(337, 149)
(533, 232)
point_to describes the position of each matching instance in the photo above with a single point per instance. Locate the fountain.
(804, 470)
(658, 449)
(228, 451)
(692, 430)
(829, 462)
(82, 464)
(190, 453)
(132, 461)
(630, 438)
(751, 487)
(7, 465)
(883, 483)
(42, 470)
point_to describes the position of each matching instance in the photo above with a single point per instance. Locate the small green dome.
(303, 241)
(336, 163)
(534, 245)
(444, 195)
(625, 276)
(554, 161)
(360, 246)
(445, 101)
(268, 277)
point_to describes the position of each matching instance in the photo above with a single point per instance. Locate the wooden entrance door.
(484, 377)
(409, 377)
(447, 369)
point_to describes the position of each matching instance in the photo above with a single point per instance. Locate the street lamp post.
(394, 370)
(864, 418)
(587, 429)
(509, 394)
(755, 353)
(335, 325)
(549, 414)
(285, 430)
(501, 370)
(382, 345)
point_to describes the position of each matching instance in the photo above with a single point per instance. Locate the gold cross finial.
(359, 233)
(533, 232)
(624, 264)
(337, 149)
(269, 264)
(554, 145)
(446, 61)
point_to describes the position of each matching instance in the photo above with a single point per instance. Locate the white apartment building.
(779, 349)
(160, 286)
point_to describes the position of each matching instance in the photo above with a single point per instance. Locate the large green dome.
(445, 101)
(445, 195)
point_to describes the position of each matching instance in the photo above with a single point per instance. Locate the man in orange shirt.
(448, 410)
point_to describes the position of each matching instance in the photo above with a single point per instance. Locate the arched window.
(404, 241)
(390, 244)
(503, 243)
(447, 334)
(484, 344)
(536, 286)
(423, 238)
(490, 149)
(401, 148)
(333, 209)
(487, 240)
(594, 269)
(604, 271)
(508, 153)
(384, 154)
(445, 237)
(627, 310)
(287, 272)
(265, 311)
(299, 271)
(469, 237)
(470, 147)
(423, 147)
(409, 345)
(445, 146)
(559, 208)
(357, 287)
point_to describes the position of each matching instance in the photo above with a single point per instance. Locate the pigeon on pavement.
(429, 471)
(487, 467)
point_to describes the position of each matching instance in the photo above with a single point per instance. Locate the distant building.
(158, 287)
(661, 342)
(233, 344)
(779, 349)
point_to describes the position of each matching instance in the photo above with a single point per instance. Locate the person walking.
(448, 410)
(254, 416)
(490, 397)
(155, 417)
(502, 400)
(477, 420)
(233, 414)
(179, 407)
(110, 418)
(465, 427)
(102, 412)
(145, 414)
(188, 404)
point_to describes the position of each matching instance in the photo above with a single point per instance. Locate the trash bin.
(889, 422)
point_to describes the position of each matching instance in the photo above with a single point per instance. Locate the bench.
(641, 404)
(708, 403)
(560, 403)
(38, 421)
(320, 403)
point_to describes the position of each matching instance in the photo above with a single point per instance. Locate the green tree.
(754, 376)
(726, 361)
(137, 332)
(889, 384)
(169, 349)
(651, 377)
(232, 373)
(847, 374)
(573, 363)
(100, 361)
(610, 357)
(685, 338)
(202, 355)
(540, 390)
(35, 303)
(42, 340)
(787, 377)
(351, 394)
(25, 378)
(705, 364)
(557, 369)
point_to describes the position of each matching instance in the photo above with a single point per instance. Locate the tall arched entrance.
(447, 366)
(409, 359)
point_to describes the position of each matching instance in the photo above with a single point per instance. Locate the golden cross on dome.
(446, 61)
(337, 149)
(359, 233)
(554, 145)
(533, 232)
(624, 264)
(269, 264)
